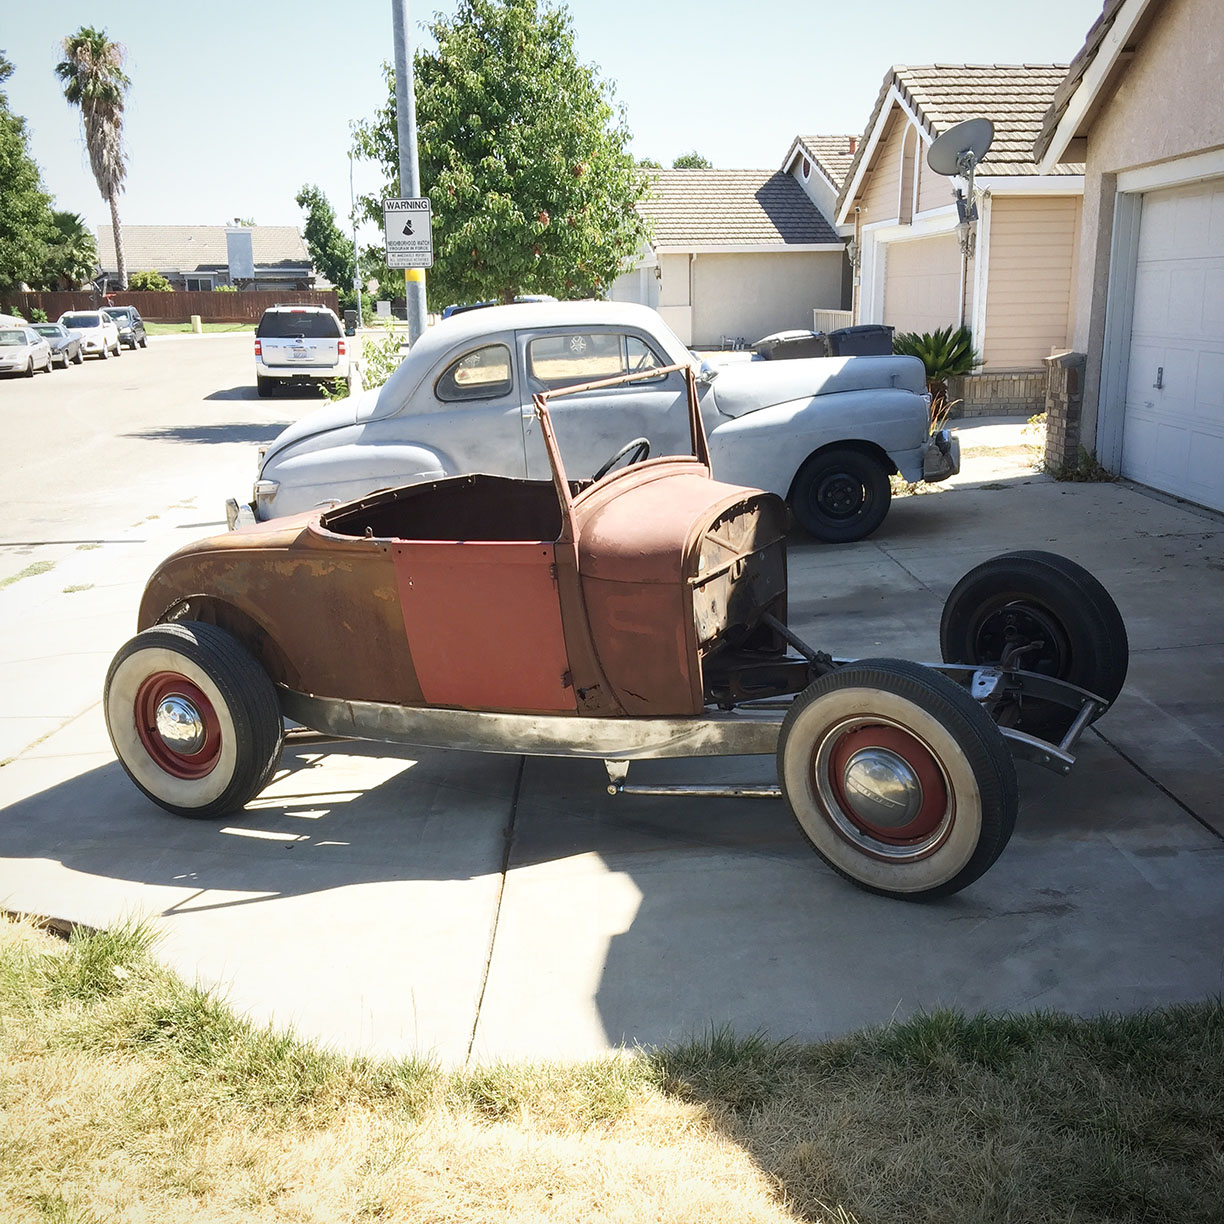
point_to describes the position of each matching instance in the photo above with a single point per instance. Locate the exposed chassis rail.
(748, 730)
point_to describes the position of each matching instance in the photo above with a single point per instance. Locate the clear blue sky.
(234, 106)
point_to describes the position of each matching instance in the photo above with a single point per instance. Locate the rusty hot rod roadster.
(637, 613)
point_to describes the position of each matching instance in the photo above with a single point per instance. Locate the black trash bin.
(865, 340)
(783, 345)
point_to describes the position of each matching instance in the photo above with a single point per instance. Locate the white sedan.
(823, 433)
(97, 331)
(22, 351)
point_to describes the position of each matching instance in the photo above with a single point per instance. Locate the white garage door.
(1173, 437)
(922, 279)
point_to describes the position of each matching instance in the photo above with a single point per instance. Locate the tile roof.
(833, 154)
(190, 248)
(732, 208)
(1014, 97)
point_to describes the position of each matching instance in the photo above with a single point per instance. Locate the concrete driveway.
(486, 907)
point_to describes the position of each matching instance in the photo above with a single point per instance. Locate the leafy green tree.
(94, 80)
(692, 161)
(521, 153)
(149, 282)
(649, 163)
(72, 255)
(25, 208)
(330, 251)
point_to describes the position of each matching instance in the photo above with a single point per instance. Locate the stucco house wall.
(1167, 106)
(753, 295)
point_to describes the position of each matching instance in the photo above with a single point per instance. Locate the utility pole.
(410, 175)
(356, 257)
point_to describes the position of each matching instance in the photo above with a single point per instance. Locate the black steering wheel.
(638, 450)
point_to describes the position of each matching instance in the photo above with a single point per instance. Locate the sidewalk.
(495, 907)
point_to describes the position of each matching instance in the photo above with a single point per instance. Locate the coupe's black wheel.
(897, 778)
(193, 718)
(637, 450)
(840, 495)
(1048, 614)
(79, 359)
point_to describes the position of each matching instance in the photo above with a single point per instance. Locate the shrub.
(149, 282)
(225, 288)
(944, 354)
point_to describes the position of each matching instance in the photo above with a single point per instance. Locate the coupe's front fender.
(296, 480)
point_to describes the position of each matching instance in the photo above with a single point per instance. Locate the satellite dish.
(958, 151)
(960, 148)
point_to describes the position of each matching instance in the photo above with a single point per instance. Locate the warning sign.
(408, 226)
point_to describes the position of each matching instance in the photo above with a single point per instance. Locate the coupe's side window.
(577, 357)
(484, 373)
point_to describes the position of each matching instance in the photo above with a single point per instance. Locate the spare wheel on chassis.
(897, 778)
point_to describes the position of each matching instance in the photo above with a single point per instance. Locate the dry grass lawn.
(127, 1096)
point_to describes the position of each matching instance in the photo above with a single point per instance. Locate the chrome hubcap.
(180, 725)
(882, 788)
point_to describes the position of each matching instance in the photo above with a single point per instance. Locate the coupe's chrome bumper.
(942, 458)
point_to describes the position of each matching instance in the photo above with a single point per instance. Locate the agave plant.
(945, 354)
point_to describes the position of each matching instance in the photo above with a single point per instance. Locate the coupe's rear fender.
(767, 448)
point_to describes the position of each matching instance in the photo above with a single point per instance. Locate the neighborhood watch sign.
(408, 225)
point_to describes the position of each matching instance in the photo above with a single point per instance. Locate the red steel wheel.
(898, 778)
(177, 725)
(193, 718)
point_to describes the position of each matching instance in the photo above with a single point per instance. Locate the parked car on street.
(65, 345)
(22, 351)
(639, 613)
(97, 333)
(131, 326)
(824, 434)
(299, 345)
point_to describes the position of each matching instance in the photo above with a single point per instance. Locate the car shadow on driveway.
(637, 919)
(264, 431)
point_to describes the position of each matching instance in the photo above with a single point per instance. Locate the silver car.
(22, 351)
(825, 433)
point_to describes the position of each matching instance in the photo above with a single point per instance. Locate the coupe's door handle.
(1159, 383)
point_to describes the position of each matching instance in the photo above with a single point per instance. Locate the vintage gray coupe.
(823, 434)
(639, 614)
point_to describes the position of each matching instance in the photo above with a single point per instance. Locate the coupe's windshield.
(12, 337)
(81, 320)
(47, 329)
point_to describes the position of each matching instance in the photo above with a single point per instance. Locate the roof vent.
(853, 143)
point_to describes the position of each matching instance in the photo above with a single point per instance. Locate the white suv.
(299, 344)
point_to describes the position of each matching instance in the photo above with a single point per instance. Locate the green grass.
(30, 571)
(127, 1095)
(179, 329)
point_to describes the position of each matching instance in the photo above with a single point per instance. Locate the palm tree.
(94, 80)
(72, 259)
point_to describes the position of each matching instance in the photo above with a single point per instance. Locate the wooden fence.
(175, 307)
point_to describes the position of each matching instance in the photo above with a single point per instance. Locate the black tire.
(840, 495)
(144, 341)
(263, 386)
(105, 353)
(1033, 596)
(79, 359)
(226, 693)
(29, 370)
(953, 800)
